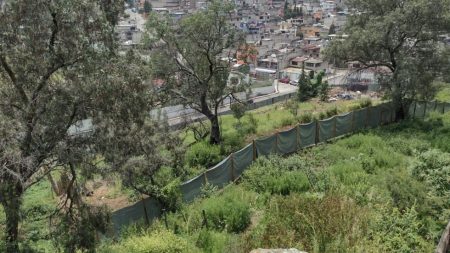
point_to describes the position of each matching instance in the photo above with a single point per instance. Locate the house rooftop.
(313, 60)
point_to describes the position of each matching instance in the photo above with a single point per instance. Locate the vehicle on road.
(293, 82)
(284, 80)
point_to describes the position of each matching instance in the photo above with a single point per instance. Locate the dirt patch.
(104, 195)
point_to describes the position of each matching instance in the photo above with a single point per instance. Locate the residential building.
(315, 64)
(298, 62)
(310, 31)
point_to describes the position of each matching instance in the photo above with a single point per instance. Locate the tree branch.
(13, 78)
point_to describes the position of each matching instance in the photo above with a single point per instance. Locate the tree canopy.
(191, 57)
(59, 67)
(399, 38)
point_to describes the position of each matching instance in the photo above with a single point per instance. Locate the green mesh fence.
(431, 107)
(374, 116)
(386, 113)
(360, 119)
(287, 141)
(192, 188)
(447, 107)
(412, 109)
(128, 215)
(420, 109)
(266, 146)
(440, 107)
(344, 124)
(242, 160)
(307, 134)
(326, 129)
(221, 174)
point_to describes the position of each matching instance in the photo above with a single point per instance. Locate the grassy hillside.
(385, 190)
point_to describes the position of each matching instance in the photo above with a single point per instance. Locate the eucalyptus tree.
(191, 57)
(58, 67)
(398, 37)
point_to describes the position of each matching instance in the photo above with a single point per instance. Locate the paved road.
(179, 110)
(177, 114)
(190, 115)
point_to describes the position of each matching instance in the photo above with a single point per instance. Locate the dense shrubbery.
(315, 224)
(277, 176)
(383, 190)
(378, 191)
(227, 212)
(203, 154)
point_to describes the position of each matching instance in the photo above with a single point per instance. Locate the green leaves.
(400, 37)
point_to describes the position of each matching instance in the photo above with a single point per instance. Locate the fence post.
(435, 105)
(317, 139)
(165, 218)
(254, 150)
(205, 178)
(147, 222)
(392, 112)
(368, 116)
(335, 126)
(232, 167)
(425, 111)
(415, 106)
(205, 221)
(276, 142)
(381, 116)
(353, 121)
(297, 133)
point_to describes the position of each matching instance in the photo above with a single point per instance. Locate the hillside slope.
(384, 190)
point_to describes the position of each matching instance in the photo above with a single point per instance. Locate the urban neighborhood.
(256, 126)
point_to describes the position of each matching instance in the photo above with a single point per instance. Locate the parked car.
(294, 82)
(284, 80)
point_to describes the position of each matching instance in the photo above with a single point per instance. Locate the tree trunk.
(11, 205)
(54, 184)
(215, 130)
(400, 104)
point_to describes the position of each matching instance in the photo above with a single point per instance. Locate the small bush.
(171, 195)
(277, 176)
(433, 167)
(305, 118)
(396, 231)
(360, 104)
(159, 241)
(227, 213)
(331, 112)
(287, 122)
(365, 102)
(253, 122)
(212, 241)
(202, 154)
(406, 191)
(231, 143)
(322, 116)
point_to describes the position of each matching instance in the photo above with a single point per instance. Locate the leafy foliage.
(203, 154)
(189, 59)
(158, 241)
(227, 213)
(400, 37)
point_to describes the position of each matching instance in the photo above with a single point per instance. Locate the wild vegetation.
(382, 189)
(376, 191)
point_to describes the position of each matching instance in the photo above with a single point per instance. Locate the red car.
(284, 80)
